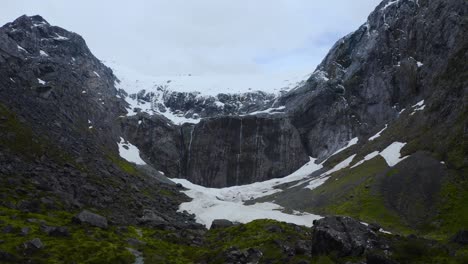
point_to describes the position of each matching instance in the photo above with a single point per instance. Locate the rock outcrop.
(221, 151)
(87, 217)
(345, 236)
(59, 112)
(388, 64)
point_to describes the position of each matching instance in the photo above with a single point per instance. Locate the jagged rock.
(25, 231)
(87, 217)
(227, 151)
(33, 245)
(153, 218)
(8, 257)
(219, 152)
(8, 229)
(388, 64)
(56, 231)
(221, 223)
(274, 229)
(378, 259)
(135, 242)
(234, 256)
(302, 247)
(345, 235)
(461, 237)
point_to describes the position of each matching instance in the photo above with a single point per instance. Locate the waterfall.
(240, 152)
(190, 147)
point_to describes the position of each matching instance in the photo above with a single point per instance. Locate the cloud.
(204, 36)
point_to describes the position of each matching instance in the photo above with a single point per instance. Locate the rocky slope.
(59, 135)
(399, 86)
(67, 196)
(391, 62)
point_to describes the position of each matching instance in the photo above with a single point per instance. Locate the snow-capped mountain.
(188, 98)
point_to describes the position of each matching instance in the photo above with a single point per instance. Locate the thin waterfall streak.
(190, 147)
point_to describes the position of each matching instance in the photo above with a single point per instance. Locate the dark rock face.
(251, 255)
(229, 151)
(33, 246)
(55, 231)
(461, 237)
(159, 141)
(193, 105)
(388, 64)
(59, 128)
(221, 223)
(86, 217)
(344, 235)
(219, 152)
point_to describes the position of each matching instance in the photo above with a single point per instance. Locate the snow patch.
(378, 133)
(366, 158)
(268, 111)
(420, 106)
(41, 81)
(352, 142)
(43, 53)
(420, 64)
(390, 3)
(326, 175)
(392, 155)
(228, 203)
(22, 49)
(130, 152)
(200, 85)
(209, 204)
(60, 37)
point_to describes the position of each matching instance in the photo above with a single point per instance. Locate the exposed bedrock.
(221, 151)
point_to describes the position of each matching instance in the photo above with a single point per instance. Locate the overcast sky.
(162, 37)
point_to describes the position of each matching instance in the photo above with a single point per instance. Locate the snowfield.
(130, 152)
(209, 204)
(202, 86)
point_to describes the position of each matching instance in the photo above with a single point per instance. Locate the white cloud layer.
(204, 36)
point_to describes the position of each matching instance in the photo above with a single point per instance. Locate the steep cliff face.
(49, 75)
(221, 151)
(404, 75)
(59, 112)
(369, 76)
(229, 151)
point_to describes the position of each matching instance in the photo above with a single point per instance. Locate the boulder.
(234, 255)
(221, 223)
(7, 257)
(461, 238)
(344, 235)
(56, 231)
(87, 217)
(25, 231)
(32, 246)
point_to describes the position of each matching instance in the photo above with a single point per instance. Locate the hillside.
(363, 162)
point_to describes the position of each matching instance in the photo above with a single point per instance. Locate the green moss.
(453, 209)
(354, 195)
(21, 138)
(257, 234)
(123, 164)
(85, 244)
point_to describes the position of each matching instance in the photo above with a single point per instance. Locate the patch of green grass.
(453, 215)
(85, 244)
(123, 164)
(354, 194)
(258, 234)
